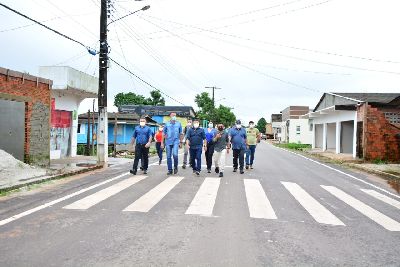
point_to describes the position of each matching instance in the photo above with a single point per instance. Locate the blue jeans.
(250, 154)
(195, 156)
(172, 150)
(159, 150)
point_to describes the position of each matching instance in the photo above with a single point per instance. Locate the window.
(297, 129)
(311, 127)
(392, 117)
(81, 128)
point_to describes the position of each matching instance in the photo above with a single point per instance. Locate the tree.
(261, 125)
(207, 111)
(130, 98)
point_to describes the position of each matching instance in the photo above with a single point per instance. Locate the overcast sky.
(264, 54)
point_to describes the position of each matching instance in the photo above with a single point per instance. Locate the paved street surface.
(288, 211)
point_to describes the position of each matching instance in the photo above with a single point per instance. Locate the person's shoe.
(184, 166)
(133, 172)
(169, 173)
(234, 169)
(175, 170)
(144, 171)
(247, 167)
(194, 171)
(141, 168)
(208, 170)
(216, 169)
(197, 173)
(241, 171)
(221, 174)
(251, 167)
(159, 162)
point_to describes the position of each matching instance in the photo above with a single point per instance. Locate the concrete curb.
(377, 172)
(49, 178)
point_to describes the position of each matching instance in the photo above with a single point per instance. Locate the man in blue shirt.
(173, 138)
(210, 134)
(195, 140)
(143, 136)
(238, 139)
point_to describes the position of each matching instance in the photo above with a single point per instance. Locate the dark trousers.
(250, 154)
(141, 152)
(195, 157)
(238, 154)
(159, 150)
(209, 155)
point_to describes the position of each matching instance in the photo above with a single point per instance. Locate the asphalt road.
(288, 211)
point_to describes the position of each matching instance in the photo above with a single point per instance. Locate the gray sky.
(264, 54)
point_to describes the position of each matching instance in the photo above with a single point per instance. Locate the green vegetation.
(208, 112)
(379, 161)
(130, 98)
(294, 146)
(261, 125)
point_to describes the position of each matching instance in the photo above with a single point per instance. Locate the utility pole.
(102, 137)
(213, 97)
(93, 123)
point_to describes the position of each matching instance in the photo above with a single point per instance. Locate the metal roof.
(384, 98)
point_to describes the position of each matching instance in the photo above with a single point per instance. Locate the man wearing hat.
(238, 139)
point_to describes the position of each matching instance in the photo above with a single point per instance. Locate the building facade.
(295, 129)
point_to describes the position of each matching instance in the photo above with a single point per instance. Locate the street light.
(142, 9)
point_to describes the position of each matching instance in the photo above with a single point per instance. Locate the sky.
(265, 55)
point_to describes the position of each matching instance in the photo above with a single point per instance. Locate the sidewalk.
(15, 174)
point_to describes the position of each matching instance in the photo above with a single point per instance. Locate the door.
(61, 124)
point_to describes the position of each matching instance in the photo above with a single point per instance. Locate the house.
(366, 125)
(25, 109)
(70, 88)
(120, 127)
(294, 128)
(276, 121)
(160, 113)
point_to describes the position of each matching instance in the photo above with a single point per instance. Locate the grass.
(379, 161)
(294, 146)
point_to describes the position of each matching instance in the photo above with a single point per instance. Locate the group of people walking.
(216, 142)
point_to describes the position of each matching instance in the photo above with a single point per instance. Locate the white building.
(293, 128)
(70, 88)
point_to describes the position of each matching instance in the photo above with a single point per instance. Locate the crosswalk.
(259, 205)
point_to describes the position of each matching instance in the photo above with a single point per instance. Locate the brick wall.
(35, 92)
(381, 141)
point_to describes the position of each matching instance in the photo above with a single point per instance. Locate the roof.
(354, 98)
(182, 111)
(127, 117)
(383, 98)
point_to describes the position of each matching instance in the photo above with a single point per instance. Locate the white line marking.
(257, 200)
(371, 213)
(204, 200)
(101, 195)
(151, 198)
(25, 213)
(312, 206)
(341, 172)
(382, 197)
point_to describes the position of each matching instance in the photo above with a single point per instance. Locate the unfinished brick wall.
(381, 141)
(35, 93)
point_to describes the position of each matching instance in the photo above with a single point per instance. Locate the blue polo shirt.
(210, 135)
(196, 137)
(172, 131)
(142, 134)
(238, 138)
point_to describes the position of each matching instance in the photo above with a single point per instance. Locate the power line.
(277, 44)
(145, 82)
(43, 25)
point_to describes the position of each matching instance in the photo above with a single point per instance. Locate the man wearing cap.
(238, 139)
(253, 137)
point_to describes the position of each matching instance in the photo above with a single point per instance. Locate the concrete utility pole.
(102, 137)
(213, 93)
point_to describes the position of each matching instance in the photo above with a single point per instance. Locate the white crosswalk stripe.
(382, 197)
(151, 198)
(316, 210)
(204, 200)
(101, 195)
(257, 200)
(385, 221)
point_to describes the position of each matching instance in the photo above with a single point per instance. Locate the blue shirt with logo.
(172, 131)
(238, 138)
(196, 137)
(142, 134)
(210, 134)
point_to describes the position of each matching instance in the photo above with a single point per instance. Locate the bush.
(294, 146)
